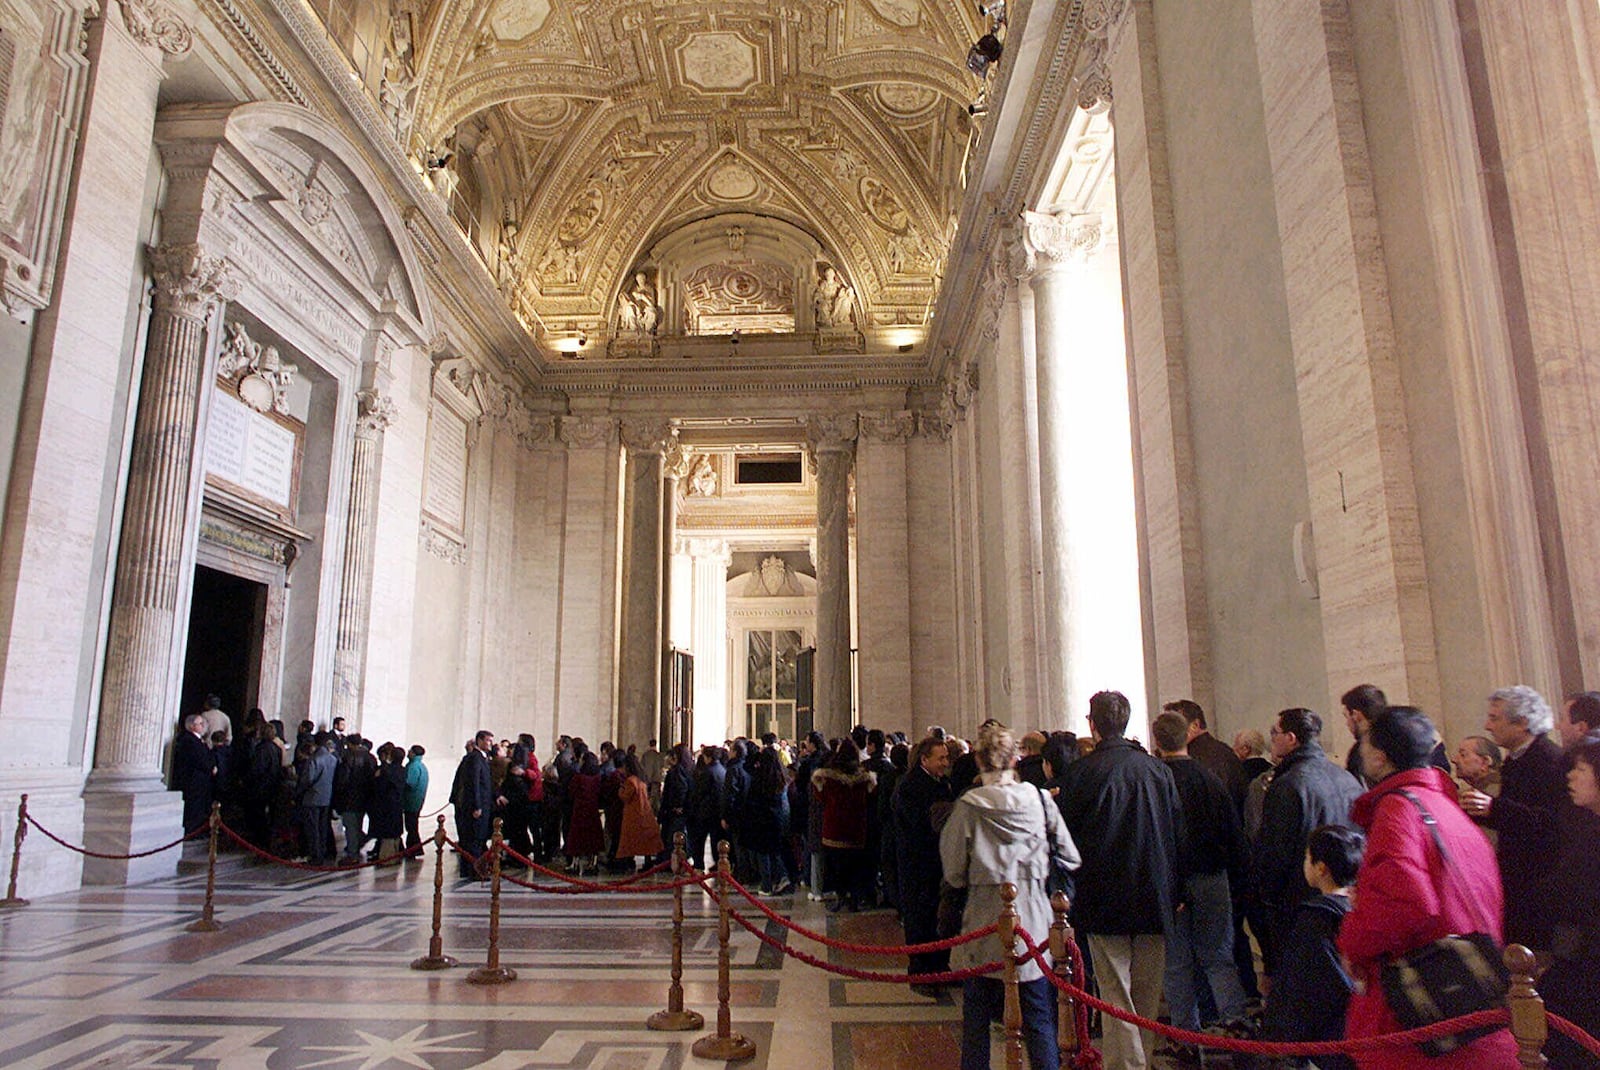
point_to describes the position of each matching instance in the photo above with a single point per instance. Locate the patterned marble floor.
(311, 970)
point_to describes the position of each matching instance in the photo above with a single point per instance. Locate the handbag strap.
(1050, 836)
(1432, 825)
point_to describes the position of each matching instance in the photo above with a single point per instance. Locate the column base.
(126, 822)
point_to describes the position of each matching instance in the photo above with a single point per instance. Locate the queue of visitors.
(1180, 859)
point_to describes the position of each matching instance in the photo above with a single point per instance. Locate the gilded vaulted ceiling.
(585, 135)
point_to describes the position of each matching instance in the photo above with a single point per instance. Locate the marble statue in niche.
(834, 302)
(703, 478)
(640, 311)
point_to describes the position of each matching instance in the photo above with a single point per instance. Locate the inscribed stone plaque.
(446, 491)
(251, 452)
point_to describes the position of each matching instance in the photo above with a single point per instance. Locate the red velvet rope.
(1088, 1057)
(348, 868)
(859, 975)
(863, 949)
(1450, 1027)
(137, 854)
(579, 886)
(1575, 1034)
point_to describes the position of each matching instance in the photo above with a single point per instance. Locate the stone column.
(832, 440)
(639, 683)
(674, 466)
(586, 631)
(374, 412)
(883, 570)
(1093, 624)
(138, 712)
(931, 563)
(709, 644)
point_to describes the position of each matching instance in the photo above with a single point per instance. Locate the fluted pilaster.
(374, 413)
(138, 709)
(639, 684)
(832, 440)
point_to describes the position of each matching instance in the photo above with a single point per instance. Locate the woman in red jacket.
(842, 790)
(1407, 895)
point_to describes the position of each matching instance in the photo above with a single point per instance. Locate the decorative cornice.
(154, 25)
(190, 281)
(276, 72)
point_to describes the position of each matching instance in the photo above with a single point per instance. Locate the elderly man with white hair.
(1532, 791)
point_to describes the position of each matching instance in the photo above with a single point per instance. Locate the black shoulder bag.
(1059, 878)
(1452, 976)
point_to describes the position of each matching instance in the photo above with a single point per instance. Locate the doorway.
(226, 619)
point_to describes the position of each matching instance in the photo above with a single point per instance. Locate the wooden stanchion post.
(675, 1018)
(1528, 1022)
(1060, 940)
(491, 972)
(207, 922)
(724, 1045)
(436, 959)
(1008, 958)
(12, 899)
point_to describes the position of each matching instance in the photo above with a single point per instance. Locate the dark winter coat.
(354, 780)
(676, 787)
(1312, 989)
(1213, 839)
(1217, 756)
(387, 816)
(916, 841)
(1569, 986)
(845, 799)
(708, 799)
(1533, 790)
(1121, 806)
(765, 825)
(1308, 789)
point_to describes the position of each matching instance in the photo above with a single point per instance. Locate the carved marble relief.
(43, 72)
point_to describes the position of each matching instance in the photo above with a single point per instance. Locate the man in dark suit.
(1211, 752)
(1533, 790)
(194, 771)
(916, 844)
(473, 798)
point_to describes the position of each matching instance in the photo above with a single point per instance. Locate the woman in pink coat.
(1407, 895)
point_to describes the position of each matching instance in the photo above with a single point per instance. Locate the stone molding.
(442, 545)
(887, 426)
(375, 412)
(154, 25)
(1054, 241)
(646, 434)
(190, 281)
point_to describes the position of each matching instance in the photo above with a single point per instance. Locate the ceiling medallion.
(718, 62)
(903, 100)
(540, 113)
(513, 20)
(904, 13)
(732, 181)
(882, 205)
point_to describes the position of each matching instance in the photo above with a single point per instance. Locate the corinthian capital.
(153, 24)
(646, 434)
(1061, 239)
(374, 411)
(190, 281)
(834, 432)
(887, 426)
(587, 431)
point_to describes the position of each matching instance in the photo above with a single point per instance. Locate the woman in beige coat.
(1001, 831)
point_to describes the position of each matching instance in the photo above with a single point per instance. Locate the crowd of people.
(1182, 857)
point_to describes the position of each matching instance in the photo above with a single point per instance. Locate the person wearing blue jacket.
(416, 795)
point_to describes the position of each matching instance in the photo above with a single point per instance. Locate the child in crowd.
(1311, 989)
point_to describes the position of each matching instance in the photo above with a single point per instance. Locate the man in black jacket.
(916, 844)
(1211, 752)
(1215, 858)
(473, 797)
(1121, 806)
(1533, 791)
(194, 771)
(1308, 789)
